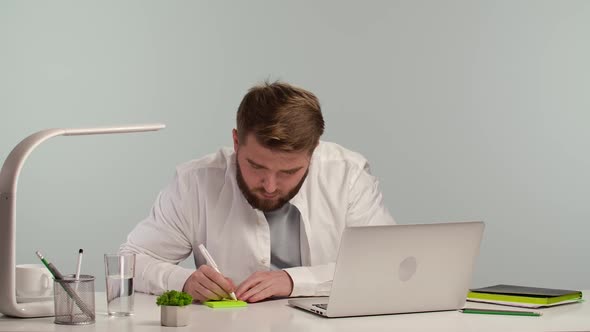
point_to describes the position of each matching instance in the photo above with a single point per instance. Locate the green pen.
(500, 312)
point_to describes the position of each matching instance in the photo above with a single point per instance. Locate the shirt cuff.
(305, 282)
(178, 277)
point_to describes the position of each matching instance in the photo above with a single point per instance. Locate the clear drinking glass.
(119, 272)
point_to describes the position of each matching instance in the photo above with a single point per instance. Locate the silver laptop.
(400, 269)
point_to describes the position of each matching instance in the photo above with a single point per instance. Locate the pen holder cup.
(74, 300)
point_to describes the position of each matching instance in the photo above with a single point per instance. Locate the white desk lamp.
(8, 182)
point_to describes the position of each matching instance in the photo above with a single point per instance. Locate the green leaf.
(174, 298)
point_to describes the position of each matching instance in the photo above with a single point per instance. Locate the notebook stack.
(522, 296)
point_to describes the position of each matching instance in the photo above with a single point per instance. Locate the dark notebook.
(525, 291)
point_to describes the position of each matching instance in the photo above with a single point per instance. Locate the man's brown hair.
(281, 117)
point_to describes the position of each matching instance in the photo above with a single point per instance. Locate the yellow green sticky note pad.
(225, 304)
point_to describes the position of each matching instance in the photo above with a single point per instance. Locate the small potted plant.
(173, 308)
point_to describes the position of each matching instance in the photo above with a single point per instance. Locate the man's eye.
(255, 166)
(289, 172)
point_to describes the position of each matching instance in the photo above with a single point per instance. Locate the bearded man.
(271, 210)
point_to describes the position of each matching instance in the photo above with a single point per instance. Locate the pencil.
(500, 312)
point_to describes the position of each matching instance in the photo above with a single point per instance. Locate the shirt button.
(263, 261)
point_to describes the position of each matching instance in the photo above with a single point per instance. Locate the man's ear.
(236, 141)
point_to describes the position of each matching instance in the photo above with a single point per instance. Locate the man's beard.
(265, 205)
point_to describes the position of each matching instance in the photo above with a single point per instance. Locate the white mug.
(33, 281)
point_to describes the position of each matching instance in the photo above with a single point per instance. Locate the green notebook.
(523, 294)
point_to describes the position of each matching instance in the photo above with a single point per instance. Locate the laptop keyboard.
(321, 306)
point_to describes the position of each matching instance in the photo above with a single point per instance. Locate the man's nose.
(270, 183)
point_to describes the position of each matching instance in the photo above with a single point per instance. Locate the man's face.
(268, 179)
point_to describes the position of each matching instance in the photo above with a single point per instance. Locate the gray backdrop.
(467, 110)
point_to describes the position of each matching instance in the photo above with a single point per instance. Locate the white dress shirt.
(204, 205)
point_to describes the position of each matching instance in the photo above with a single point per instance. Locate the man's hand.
(264, 284)
(207, 284)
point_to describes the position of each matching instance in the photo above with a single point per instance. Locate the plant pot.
(174, 315)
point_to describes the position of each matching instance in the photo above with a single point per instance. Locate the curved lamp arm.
(8, 184)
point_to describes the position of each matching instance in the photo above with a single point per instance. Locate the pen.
(79, 264)
(211, 262)
(500, 312)
(77, 276)
(58, 276)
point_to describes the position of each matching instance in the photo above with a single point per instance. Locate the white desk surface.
(277, 315)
